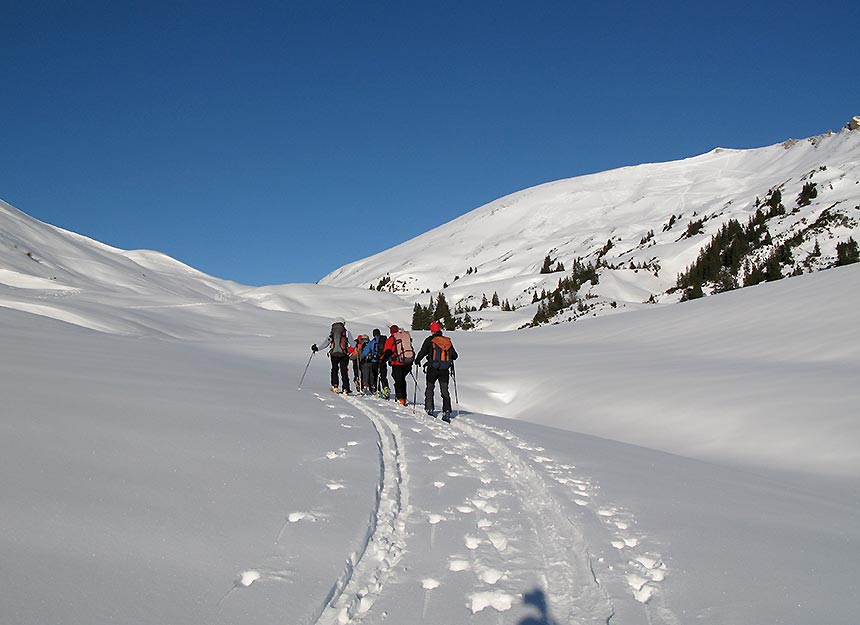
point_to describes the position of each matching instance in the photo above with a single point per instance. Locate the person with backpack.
(339, 340)
(398, 351)
(357, 356)
(377, 371)
(440, 354)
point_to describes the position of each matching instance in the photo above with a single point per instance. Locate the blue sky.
(272, 142)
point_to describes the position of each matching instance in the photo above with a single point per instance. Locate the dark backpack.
(440, 352)
(339, 342)
(375, 348)
(403, 352)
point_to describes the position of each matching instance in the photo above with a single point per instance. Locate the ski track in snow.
(367, 570)
(642, 570)
(507, 467)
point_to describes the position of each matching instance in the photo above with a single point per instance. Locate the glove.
(314, 348)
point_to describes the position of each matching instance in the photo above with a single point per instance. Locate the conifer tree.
(495, 301)
(546, 265)
(847, 253)
(443, 313)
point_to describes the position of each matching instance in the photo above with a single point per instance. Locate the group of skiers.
(371, 358)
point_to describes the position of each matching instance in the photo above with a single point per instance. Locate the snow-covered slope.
(35, 255)
(633, 222)
(160, 464)
(154, 480)
(59, 274)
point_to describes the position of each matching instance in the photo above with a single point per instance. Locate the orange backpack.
(440, 352)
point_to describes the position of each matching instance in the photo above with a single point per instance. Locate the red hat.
(435, 327)
(393, 329)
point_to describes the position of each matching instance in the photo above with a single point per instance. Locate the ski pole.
(456, 398)
(415, 395)
(306, 370)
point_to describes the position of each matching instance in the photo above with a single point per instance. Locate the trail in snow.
(368, 569)
(643, 570)
(515, 529)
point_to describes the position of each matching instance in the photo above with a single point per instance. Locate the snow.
(504, 243)
(674, 464)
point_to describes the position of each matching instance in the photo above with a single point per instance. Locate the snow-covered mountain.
(171, 453)
(59, 274)
(640, 227)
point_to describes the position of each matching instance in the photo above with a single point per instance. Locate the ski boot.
(446, 416)
(335, 389)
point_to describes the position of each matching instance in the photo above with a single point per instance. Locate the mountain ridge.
(629, 222)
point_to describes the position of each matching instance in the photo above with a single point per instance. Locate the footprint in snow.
(294, 517)
(333, 455)
(498, 600)
(427, 584)
(434, 520)
(458, 564)
(654, 567)
(345, 416)
(432, 458)
(334, 486)
(498, 540)
(439, 485)
(472, 542)
(243, 580)
(490, 575)
(622, 542)
(246, 578)
(485, 506)
(346, 425)
(642, 591)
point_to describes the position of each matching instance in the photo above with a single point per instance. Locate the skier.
(358, 368)
(340, 341)
(399, 352)
(377, 371)
(440, 354)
